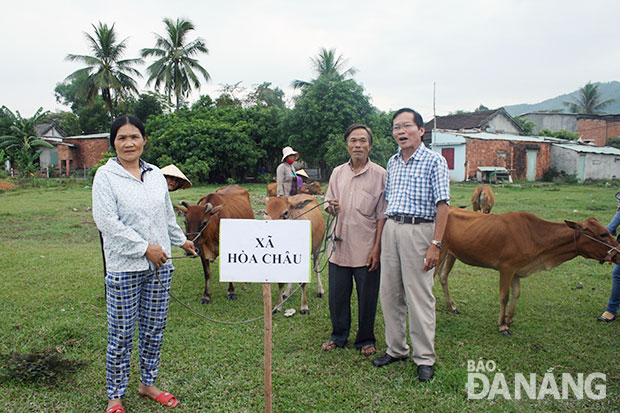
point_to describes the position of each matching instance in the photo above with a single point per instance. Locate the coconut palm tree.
(175, 67)
(107, 72)
(588, 100)
(327, 65)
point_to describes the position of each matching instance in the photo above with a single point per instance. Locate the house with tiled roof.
(495, 121)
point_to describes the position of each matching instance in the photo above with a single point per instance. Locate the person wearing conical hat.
(175, 178)
(286, 178)
(301, 174)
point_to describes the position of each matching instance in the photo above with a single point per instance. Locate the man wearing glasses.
(417, 190)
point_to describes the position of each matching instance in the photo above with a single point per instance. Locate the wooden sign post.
(267, 308)
(266, 252)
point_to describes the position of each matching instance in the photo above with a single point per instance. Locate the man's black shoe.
(386, 359)
(425, 373)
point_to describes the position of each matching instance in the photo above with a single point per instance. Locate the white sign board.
(265, 251)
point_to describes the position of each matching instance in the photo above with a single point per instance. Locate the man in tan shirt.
(356, 198)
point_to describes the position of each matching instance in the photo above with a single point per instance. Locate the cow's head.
(592, 240)
(277, 207)
(315, 188)
(197, 220)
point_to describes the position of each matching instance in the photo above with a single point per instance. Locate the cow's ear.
(216, 210)
(185, 204)
(181, 210)
(574, 225)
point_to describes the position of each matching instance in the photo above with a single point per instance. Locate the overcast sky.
(497, 53)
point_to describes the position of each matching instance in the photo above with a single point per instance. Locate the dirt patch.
(7, 185)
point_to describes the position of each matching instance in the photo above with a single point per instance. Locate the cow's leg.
(515, 292)
(280, 298)
(206, 296)
(231, 292)
(320, 291)
(505, 279)
(288, 291)
(304, 302)
(443, 270)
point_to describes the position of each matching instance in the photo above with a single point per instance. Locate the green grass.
(52, 299)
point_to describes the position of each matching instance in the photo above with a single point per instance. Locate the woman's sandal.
(328, 346)
(368, 350)
(116, 409)
(605, 319)
(165, 398)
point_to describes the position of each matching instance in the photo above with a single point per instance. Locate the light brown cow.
(300, 206)
(517, 244)
(483, 199)
(203, 221)
(313, 188)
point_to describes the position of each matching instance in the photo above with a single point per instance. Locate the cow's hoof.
(275, 311)
(205, 300)
(319, 295)
(231, 297)
(304, 312)
(506, 332)
(455, 311)
(284, 297)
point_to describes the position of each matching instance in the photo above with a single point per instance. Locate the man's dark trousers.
(340, 289)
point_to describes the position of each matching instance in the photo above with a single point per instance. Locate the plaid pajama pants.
(130, 297)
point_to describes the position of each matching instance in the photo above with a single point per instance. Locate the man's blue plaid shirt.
(415, 187)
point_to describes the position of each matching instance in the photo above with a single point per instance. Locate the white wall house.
(587, 162)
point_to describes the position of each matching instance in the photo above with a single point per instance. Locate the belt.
(408, 219)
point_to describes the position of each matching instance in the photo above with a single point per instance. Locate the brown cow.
(203, 220)
(483, 199)
(305, 207)
(313, 188)
(517, 244)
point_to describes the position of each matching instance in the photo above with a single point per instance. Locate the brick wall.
(508, 154)
(598, 130)
(87, 152)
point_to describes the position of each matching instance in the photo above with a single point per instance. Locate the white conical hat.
(172, 170)
(303, 173)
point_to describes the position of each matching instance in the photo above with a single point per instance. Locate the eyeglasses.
(396, 128)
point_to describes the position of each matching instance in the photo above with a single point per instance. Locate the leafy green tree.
(107, 72)
(325, 108)
(481, 108)
(93, 118)
(175, 67)
(148, 104)
(588, 100)
(264, 95)
(22, 144)
(327, 65)
(561, 134)
(209, 144)
(5, 123)
(527, 126)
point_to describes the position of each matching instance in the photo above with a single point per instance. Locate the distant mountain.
(609, 90)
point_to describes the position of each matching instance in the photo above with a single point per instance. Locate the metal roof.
(502, 137)
(492, 169)
(605, 150)
(92, 136)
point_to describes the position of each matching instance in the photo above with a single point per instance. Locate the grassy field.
(53, 303)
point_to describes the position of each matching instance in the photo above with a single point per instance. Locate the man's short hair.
(417, 118)
(358, 126)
